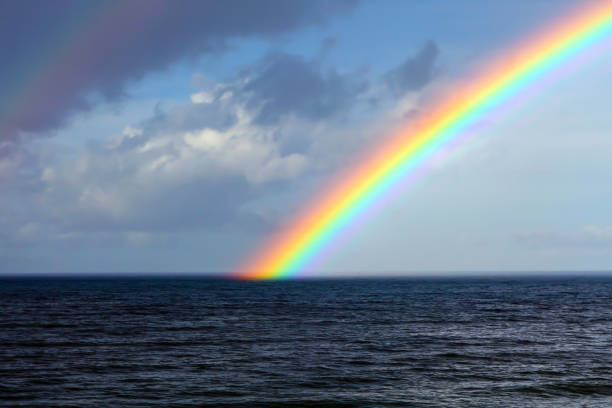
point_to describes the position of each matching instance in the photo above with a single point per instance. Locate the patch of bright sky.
(380, 35)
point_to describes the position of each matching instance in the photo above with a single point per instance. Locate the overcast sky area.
(173, 137)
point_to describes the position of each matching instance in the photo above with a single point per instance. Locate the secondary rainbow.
(66, 62)
(358, 187)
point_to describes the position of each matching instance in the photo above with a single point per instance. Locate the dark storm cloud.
(415, 72)
(284, 84)
(69, 49)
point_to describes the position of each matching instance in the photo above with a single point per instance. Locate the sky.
(153, 136)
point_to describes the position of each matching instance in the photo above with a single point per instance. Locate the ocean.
(196, 342)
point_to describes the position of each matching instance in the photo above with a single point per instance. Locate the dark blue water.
(326, 343)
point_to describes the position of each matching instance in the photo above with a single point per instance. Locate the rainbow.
(374, 175)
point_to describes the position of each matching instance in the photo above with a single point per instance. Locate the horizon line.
(339, 276)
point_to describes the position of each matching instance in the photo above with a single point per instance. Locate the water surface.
(315, 343)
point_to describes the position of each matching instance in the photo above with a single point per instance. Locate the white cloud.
(202, 97)
(48, 175)
(206, 139)
(128, 132)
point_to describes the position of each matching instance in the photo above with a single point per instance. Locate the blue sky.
(185, 156)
